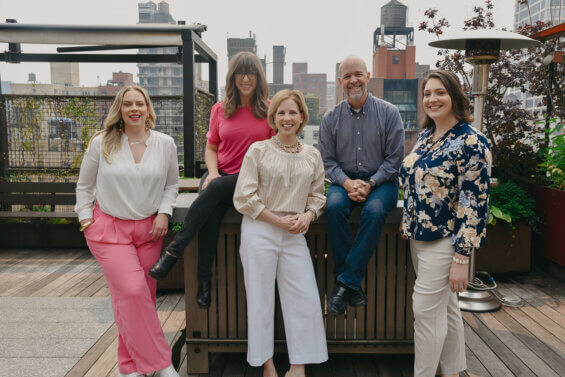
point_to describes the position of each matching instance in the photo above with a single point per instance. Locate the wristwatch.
(372, 183)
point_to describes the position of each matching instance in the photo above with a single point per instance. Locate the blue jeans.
(350, 261)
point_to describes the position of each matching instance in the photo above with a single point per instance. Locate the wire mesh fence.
(47, 135)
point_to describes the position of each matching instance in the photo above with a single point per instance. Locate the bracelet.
(85, 225)
(460, 261)
(313, 211)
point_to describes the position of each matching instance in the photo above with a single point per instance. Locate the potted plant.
(512, 217)
(550, 196)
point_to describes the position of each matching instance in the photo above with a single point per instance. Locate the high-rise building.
(539, 10)
(119, 80)
(551, 11)
(314, 84)
(236, 45)
(160, 79)
(279, 53)
(66, 74)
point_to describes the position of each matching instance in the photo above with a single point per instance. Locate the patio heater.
(482, 48)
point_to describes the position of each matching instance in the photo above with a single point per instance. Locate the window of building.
(313, 79)
(395, 59)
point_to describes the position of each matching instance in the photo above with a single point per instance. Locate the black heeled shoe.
(163, 266)
(203, 294)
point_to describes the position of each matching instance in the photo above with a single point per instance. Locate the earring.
(121, 125)
(147, 124)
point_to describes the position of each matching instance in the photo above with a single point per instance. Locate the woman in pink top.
(235, 123)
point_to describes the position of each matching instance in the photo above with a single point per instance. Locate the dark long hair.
(459, 100)
(246, 62)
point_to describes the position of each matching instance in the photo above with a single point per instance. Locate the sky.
(320, 32)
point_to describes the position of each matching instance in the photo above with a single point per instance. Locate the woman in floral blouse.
(446, 188)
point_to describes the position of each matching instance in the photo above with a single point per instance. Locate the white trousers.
(268, 253)
(438, 326)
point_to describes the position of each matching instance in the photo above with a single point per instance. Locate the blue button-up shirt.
(367, 143)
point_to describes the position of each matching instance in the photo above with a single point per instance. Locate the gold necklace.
(289, 148)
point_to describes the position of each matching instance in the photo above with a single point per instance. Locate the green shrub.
(554, 156)
(513, 202)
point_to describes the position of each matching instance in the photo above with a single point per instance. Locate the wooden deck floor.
(526, 341)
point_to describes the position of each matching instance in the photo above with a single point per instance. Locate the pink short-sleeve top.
(233, 136)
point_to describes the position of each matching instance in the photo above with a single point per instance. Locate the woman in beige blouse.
(280, 190)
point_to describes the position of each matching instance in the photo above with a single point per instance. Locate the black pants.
(205, 217)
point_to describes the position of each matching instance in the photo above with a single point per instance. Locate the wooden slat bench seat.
(385, 325)
(50, 194)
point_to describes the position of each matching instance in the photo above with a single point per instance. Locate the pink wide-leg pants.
(126, 253)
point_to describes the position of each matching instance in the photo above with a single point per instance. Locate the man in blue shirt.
(362, 144)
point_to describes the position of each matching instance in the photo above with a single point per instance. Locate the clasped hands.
(297, 223)
(357, 189)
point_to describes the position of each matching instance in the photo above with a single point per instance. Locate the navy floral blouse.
(446, 188)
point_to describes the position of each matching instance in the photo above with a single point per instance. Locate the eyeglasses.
(250, 76)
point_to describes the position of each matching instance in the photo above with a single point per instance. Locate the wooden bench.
(385, 325)
(28, 194)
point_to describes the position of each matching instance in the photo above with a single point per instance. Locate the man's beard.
(357, 96)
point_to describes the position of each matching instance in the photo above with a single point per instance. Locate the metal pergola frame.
(187, 38)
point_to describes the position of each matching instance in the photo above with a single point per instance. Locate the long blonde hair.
(246, 62)
(114, 124)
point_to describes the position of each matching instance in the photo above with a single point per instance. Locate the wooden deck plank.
(474, 366)
(539, 331)
(501, 349)
(514, 344)
(29, 270)
(49, 275)
(535, 299)
(550, 357)
(84, 283)
(484, 353)
(497, 344)
(60, 281)
(100, 347)
(90, 290)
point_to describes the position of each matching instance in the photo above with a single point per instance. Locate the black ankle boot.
(163, 266)
(203, 294)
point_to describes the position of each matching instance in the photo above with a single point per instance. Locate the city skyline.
(321, 41)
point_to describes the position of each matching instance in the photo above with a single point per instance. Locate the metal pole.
(188, 101)
(472, 300)
(4, 155)
(213, 78)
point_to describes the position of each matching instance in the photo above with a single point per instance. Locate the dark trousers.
(205, 217)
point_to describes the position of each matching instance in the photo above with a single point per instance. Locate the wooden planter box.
(38, 235)
(550, 206)
(505, 249)
(385, 325)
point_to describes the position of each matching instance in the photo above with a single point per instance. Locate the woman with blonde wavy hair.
(235, 123)
(127, 185)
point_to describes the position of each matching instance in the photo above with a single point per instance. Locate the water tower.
(393, 30)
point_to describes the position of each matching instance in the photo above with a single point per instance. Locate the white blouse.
(126, 189)
(280, 181)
